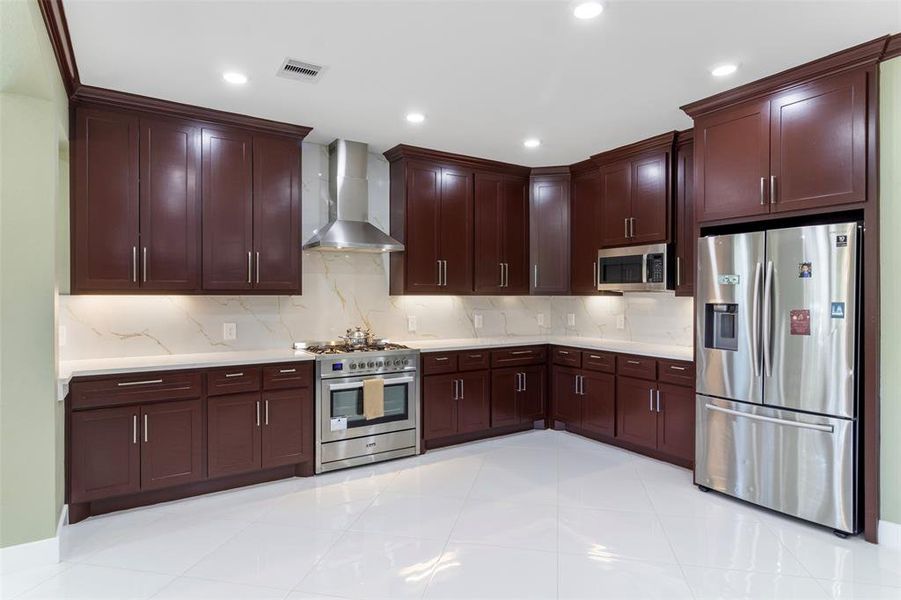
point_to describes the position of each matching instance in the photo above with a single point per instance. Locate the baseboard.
(890, 534)
(34, 554)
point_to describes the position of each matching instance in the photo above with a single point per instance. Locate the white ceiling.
(486, 74)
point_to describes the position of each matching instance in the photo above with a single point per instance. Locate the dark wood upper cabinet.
(651, 198)
(616, 203)
(686, 237)
(818, 143)
(233, 430)
(676, 421)
(732, 151)
(172, 444)
(456, 231)
(170, 205)
(227, 210)
(585, 230)
(105, 455)
(549, 231)
(287, 427)
(423, 222)
(105, 213)
(276, 213)
(474, 402)
(501, 234)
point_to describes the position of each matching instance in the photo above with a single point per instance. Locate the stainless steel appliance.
(777, 346)
(344, 437)
(633, 269)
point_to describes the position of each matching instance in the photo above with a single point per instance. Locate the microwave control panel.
(656, 270)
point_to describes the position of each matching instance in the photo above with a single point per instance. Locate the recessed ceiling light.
(588, 10)
(234, 77)
(415, 117)
(723, 70)
(531, 143)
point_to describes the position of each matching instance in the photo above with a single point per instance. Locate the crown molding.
(663, 141)
(892, 48)
(58, 31)
(404, 151)
(556, 170)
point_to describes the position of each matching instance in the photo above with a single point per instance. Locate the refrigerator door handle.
(767, 317)
(798, 424)
(755, 320)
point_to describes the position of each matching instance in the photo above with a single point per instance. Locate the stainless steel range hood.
(348, 228)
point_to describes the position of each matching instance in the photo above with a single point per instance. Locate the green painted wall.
(33, 150)
(890, 254)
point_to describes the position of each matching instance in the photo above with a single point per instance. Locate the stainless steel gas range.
(344, 437)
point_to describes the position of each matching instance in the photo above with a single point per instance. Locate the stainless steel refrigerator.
(777, 342)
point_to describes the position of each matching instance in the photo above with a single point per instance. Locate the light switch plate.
(570, 319)
(229, 331)
(411, 323)
(541, 319)
(620, 321)
(477, 321)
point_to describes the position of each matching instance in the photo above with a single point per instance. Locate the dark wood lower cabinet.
(286, 438)
(517, 395)
(474, 403)
(171, 443)
(676, 421)
(456, 403)
(233, 426)
(598, 402)
(504, 386)
(636, 417)
(567, 402)
(105, 458)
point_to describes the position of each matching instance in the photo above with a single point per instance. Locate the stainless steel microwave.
(633, 269)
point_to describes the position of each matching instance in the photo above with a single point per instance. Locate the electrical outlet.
(477, 321)
(570, 319)
(229, 331)
(61, 336)
(541, 319)
(620, 321)
(411, 323)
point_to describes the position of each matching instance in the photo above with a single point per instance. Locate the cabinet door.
(276, 213)
(287, 427)
(676, 421)
(233, 430)
(549, 234)
(567, 402)
(650, 199)
(474, 403)
(489, 233)
(636, 416)
(172, 444)
(456, 230)
(616, 203)
(105, 201)
(686, 240)
(586, 191)
(516, 234)
(170, 205)
(530, 401)
(732, 159)
(105, 455)
(504, 385)
(598, 402)
(439, 405)
(818, 143)
(227, 210)
(423, 212)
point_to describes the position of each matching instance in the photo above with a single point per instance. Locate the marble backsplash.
(344, 290)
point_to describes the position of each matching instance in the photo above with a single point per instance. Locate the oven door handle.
(359, 384)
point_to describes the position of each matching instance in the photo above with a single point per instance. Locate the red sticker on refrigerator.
(800, 321)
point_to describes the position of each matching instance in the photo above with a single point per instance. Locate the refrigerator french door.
(777, 341)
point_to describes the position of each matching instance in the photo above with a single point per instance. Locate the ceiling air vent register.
(297, 69)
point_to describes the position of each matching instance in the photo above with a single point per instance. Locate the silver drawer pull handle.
(287, 370)
(562, 352)
(594, 356)
(675, 368)
(145, 382)
(441, 358)
(146, 429)
(737, 413)
(634, 362)
(517, 353)
(241, 374)
(474, 356)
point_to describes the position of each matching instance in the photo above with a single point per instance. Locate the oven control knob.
(396, 362)
(406, 361)
(379, 364)
(353, 366)
(370, 364)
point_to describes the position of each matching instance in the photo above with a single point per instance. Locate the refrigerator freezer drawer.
(799, 464)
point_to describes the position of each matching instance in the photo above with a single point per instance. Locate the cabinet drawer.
(291, 375)
(678, 372)
(135, 388)
(233, 380)
(473, 360)
(599, 361)
(636, 366)
(434, 363)
(513, 357)
(568, 357)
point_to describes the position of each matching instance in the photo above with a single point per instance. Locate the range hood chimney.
(348, 229)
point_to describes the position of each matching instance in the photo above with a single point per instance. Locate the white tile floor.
(536, 515)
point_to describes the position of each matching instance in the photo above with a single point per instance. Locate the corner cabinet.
(686, 235)
(163, 204)
(549, 230)
(585, 228)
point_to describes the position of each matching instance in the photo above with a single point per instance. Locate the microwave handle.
(359, 384)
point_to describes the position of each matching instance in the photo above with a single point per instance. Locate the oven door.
(341, 407)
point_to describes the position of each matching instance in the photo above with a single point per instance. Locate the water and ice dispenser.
(721, 326)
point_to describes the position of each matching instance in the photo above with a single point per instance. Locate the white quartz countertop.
(587, 343)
